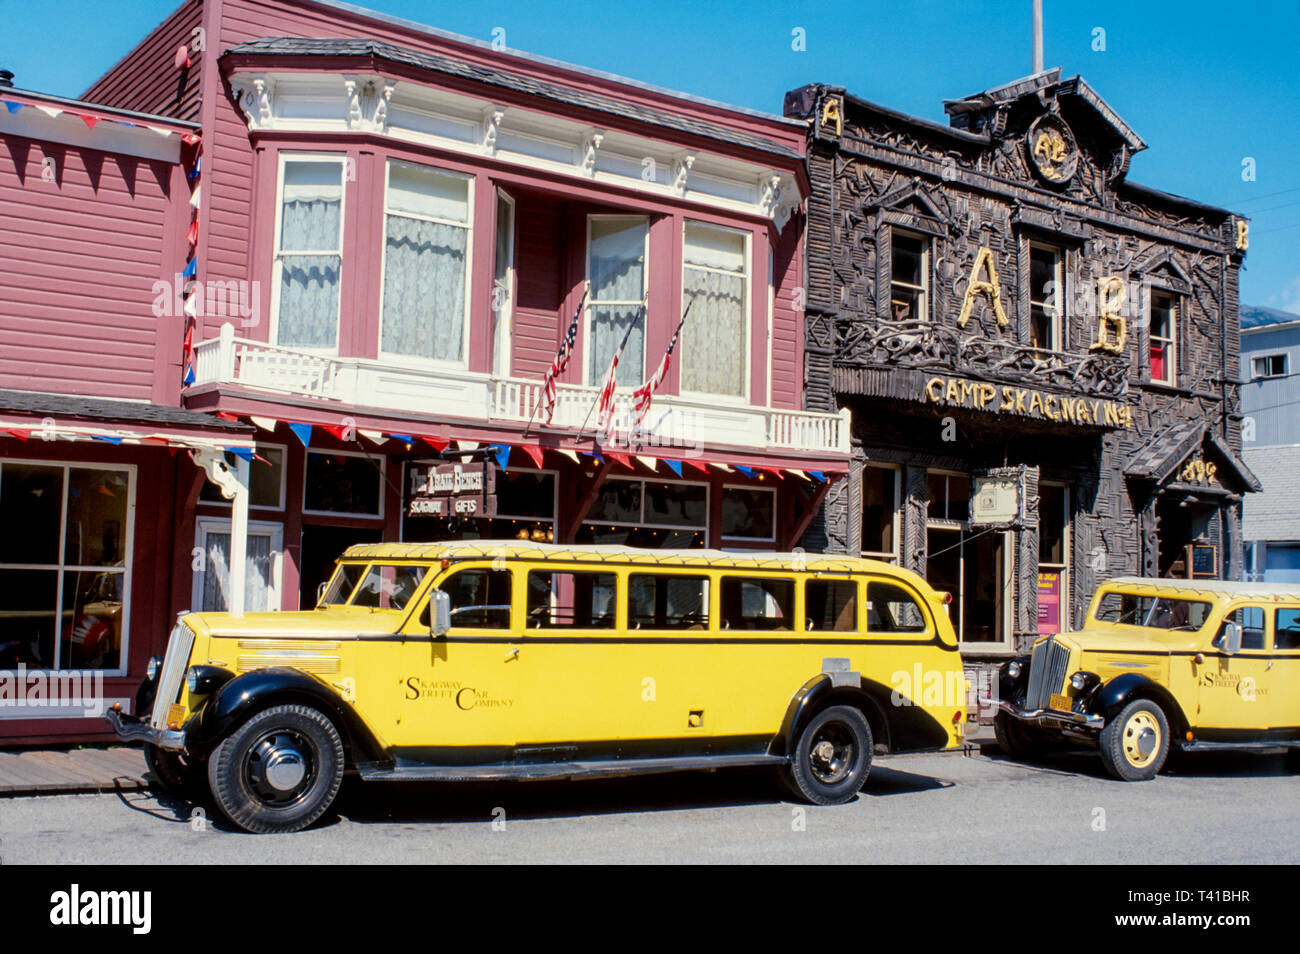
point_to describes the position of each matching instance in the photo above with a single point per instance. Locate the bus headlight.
(1013, 669)
(151, 670)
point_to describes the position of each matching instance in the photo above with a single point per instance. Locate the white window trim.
(924, 288)
(503, 318)
(746, 314)
(341, 159)
(128, 550)
(256, 528)
(898, 507)
(284, 481)
(775, 514)
(1256, 375)
(704, 528)
(383, 483)
(1175, 308)
(413, 361)
(598, 373)
(1059, 322)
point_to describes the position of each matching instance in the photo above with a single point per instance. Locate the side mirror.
(1232, 639)
(440, 618)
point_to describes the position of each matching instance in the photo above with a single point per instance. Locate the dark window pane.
(480, 599)
(577, 600)
(521, 494)
(878, 509)
(92, 619)
(908, 259)
(27, 617)
(1042, 272)
(96, 529)
(264, 479)
(831, 605)
(1286, 629)
(667, 601)
(1051, 524)
(757, 603)
(748, 513)
(31, 505)
(681, 505)
(891, 609)
(340, 483)
(619, 501)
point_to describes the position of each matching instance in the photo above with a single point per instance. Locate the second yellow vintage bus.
(487, 660)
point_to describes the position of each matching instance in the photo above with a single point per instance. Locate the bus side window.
(831, 605)
(891, 609)
(667, 601)
(480, 599)
(757, 603)
(574, 600)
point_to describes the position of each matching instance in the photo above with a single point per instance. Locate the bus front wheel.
(832, 756)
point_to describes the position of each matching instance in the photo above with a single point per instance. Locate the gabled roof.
(493, 76)
(1159, 458)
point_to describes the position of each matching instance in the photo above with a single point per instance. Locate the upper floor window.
(617, 254)
(426, 244)
(880, 486)
(715, 283)
(1046, 322)
(909, 277)
(1269, 366)
(1164, 332)
(309, 252)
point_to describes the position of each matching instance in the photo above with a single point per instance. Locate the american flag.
(561, 360)
(642, 396)
(605, 406)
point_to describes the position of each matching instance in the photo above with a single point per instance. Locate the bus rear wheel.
(832, 756)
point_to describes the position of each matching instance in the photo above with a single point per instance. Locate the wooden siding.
(78, 260)
(147, 80)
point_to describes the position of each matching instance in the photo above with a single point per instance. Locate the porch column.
(238, 537)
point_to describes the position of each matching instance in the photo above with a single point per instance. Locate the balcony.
(676, 424)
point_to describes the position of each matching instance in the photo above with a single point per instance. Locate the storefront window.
(265, 480)
(748, 513)
(525, 510)
(343, 483)
(648, 513)
(879, 513)
(949, 496)
(64, 565)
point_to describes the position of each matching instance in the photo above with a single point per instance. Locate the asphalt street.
(948, 808)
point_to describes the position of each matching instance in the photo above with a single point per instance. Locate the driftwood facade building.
(1040, 357)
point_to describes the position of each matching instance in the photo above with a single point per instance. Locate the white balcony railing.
(674, 422)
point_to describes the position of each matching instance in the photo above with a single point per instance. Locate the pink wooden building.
(391, 231)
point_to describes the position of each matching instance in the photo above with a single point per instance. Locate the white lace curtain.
(257, 574)
(617, 274)
(309, 283)
(713, 346)
(424, 289)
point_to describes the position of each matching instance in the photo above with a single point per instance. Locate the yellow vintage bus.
(484, 660)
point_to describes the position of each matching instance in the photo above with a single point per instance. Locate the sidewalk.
(48, 771)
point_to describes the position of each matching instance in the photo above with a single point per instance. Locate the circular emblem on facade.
(1052, 150)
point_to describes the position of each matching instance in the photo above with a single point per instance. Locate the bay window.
(426, 249)
(714, 345)
(309, 252)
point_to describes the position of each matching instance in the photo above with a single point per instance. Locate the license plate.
(1060, 702)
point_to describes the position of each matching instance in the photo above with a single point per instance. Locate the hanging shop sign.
(452, 490)
(1000, 497)
(1027, 402)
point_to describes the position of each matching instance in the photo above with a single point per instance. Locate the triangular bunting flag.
(52, 111)
(651, 462)
(797, 472)
(190, 268)
(244, 452)
(821, 478)
(88, 120)
(190, 376)
(572, 455)
(674, 465)
(747, 471)
(500, 451)
(192, 236)
(702, 467)
(194, 199)
(375, 437)
(774, 471)
(437, 443)
(265, 423)
(12, 106)
(190, 138)
(534, 452)
(406, 439)
(21, 433)
(227, 415)
(337, 431)
(467, 445)
(302, 431)
(723, 467)
(106, 438)
(620, 458)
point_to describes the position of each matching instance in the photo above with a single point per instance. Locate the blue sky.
(1207, 85)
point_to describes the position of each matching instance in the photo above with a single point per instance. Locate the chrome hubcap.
(280, 767)
(285, 770)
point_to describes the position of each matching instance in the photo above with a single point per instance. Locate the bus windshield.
(377, 585)
(1152, 612)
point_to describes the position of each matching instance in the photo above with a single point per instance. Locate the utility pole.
(1038, 36)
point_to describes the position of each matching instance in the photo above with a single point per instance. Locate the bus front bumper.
(132, 729)
(1046, 717)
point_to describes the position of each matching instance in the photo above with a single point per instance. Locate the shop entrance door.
(975, 568)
